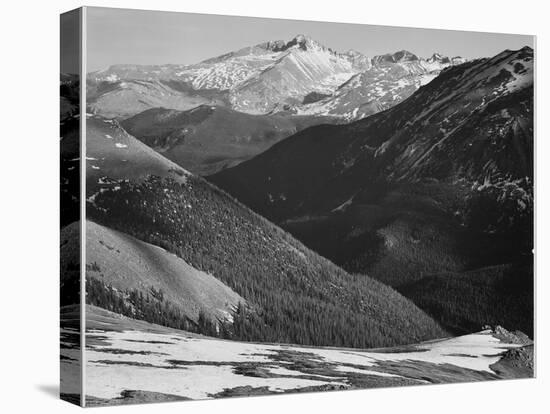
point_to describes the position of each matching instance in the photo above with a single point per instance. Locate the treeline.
(150, 307)
(246, 325)
(293, 294)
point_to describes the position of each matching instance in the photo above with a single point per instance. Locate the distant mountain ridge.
(397, 57)
(226, 71)
(390, 79)
(269, 77)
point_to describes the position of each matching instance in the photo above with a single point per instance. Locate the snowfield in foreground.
(131, 365)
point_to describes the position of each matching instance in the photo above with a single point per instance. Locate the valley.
(207, 139)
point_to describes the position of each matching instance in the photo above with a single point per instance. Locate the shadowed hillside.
(293, 295)
(440, 183)
(208, 138)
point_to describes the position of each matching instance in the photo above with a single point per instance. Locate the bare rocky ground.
(131, 361)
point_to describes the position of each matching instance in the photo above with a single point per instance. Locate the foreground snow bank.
(125, 356)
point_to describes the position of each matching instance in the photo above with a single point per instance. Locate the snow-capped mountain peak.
(404, 56)
(300, 41)
(438, 58)
(304, 42)
(388, 80)
(397, 57)
(278, 75)
(458, 60)
(274, 45)
(303, 66)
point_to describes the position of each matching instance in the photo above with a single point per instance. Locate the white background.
(29, 204)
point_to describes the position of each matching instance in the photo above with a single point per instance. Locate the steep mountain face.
(415, 65)
(304, 67)
(256, 79)
(397, 57)
(208, 138)
(390, 79)
(441, 182)
(292, 294)
(472, 124)
(269, 77)
(478, 117)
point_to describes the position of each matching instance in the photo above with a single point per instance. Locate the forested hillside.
(293, 294)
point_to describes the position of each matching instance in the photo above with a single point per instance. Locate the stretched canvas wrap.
(259, 206)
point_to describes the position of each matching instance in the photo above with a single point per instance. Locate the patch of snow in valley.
(171, 363)
(482, 350)
(195, 382)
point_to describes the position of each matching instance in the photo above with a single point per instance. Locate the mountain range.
(438, 184)
(390, 79)
(470, 125)
(274, 76)
(260, 94)
(348, 200)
